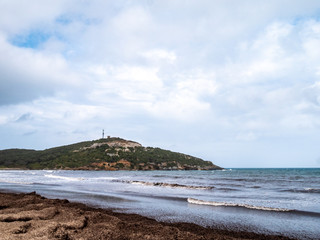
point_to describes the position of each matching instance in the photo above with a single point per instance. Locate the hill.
(103, 154)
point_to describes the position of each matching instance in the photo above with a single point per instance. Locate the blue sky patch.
(67, 19)
(30, 40)
(64, 19)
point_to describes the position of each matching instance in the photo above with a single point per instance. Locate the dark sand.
(30, 216)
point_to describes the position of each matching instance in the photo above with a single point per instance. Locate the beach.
(31, 216)
(229, 204)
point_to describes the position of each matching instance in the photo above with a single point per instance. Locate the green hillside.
(103, 154)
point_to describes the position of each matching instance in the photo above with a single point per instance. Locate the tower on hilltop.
(102, 133)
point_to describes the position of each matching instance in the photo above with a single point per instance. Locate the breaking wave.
(167, 176)
(225, 204)
(104, 178)
(225, 189)
(16, 182)
(26, 183)
(305, 190)
(64, 178)
(172, 185)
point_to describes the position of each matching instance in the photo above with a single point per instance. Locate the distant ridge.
(104, 154)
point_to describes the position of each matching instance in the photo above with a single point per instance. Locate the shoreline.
(31, 216)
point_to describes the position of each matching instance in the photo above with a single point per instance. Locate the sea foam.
(226, 204)
(64, 178)
(163, 184)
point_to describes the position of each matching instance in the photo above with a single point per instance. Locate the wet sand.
(31, 216)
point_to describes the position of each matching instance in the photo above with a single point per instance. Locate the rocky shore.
(31, 216)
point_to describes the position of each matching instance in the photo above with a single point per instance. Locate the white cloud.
(3, 120)
(248, 136)
(186, 99)
(142, 89)
(20, 16)
(181, 105)
(125, 85)
(157, 55)
(132, 21)
(27, 74)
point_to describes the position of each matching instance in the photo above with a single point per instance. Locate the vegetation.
(102, 154)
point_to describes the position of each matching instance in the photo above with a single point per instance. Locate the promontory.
(104, 154)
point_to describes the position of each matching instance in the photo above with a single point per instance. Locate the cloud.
(20, 16)
(272, 81)
(27, 74)
(124, 85)
(24, 117)
(186, 99)
(157, 55)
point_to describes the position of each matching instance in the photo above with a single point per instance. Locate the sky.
(233, 82)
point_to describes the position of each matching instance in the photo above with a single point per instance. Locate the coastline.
(31, 216)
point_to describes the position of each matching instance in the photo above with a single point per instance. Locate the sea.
(269, 201)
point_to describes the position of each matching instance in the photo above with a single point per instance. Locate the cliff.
(102, 154)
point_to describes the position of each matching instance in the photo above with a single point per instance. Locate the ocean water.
(272, 201)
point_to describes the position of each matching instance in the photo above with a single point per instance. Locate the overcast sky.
(233, 82)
